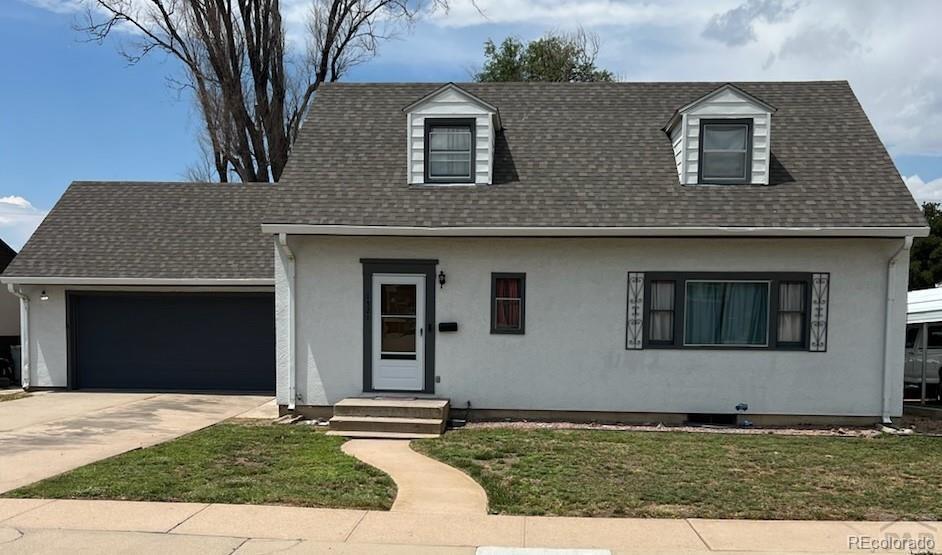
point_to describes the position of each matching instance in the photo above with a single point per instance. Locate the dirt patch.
(796, 431)
(922, 424)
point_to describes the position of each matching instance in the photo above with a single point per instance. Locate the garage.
(221, 341)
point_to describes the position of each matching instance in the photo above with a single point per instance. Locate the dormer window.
(449, 153)
(451, 135)
(725, 151)
(722, 138)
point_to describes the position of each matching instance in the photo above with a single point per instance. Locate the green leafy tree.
(925, 259)
(559, 57)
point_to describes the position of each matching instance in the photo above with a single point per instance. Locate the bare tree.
(252, 94)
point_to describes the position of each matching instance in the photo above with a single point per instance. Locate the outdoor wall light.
(43, 296)
(441, 278)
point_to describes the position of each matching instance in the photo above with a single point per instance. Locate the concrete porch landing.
(389, 418)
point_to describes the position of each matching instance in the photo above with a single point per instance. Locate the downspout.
(889, 361)
(292, 374)
(24, 334)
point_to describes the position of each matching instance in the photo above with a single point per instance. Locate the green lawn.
(13, 396)
(702, 475)
(231, 463)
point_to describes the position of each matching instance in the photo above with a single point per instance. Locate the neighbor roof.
(161, 231)
(590, 155)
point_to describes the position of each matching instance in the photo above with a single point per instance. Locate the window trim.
(749, 139)
(431, 123)
(680, 308)
(523, 303)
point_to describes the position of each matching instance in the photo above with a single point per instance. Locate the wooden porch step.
(387, 424)
(392, 408)
(390, 417)
(382, 435)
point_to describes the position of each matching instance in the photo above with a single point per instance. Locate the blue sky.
(72, 110)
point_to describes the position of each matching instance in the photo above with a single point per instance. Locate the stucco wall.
(47, 339)
(573, 354)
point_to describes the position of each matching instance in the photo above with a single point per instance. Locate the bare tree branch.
(251, 93)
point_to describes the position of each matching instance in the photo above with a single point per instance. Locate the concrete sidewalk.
(423, 485)
(45, 526)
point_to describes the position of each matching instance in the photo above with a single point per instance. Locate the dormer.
(451, 135)
(722, 138)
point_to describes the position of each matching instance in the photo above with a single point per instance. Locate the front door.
(398, 338)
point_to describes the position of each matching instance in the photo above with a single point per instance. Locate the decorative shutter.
(820, 288)
(635, 310)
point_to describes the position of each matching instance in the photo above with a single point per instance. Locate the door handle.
(420, 331)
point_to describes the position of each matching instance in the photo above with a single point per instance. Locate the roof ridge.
(145, 183)
(359, 84)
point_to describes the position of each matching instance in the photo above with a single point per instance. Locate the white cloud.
(58, 6)
(891, 52)
(18, 219)
(922, 191)
(737, 26)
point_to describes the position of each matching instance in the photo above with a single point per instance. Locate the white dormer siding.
(451, 102)
(725, 103)
(677, 143)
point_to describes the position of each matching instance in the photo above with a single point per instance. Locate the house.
(607, 251)
(9, 312)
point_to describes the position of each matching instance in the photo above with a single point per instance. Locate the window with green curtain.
(726, 313)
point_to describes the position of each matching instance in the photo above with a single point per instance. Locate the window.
(911, 333)
(792, 302)
(719, 310)
(725, 151)
(662, 312)
(935, 337)
(449, 150)
(727, 313)
(508, 303)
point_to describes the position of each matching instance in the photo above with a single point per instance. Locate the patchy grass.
(232, 462)
(13, 396)
(697, 475)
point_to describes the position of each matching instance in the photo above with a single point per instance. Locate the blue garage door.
(172, 341)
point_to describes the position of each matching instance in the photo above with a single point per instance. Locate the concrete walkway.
(424, 485)
(44, 526)
(44, 435)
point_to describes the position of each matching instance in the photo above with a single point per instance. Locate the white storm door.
(398, 332)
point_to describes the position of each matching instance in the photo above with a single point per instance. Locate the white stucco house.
(617, 251)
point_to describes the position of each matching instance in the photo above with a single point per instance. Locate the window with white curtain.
(725, 151)
(792, 312)
(662, 312)
(449, 150)
(727, 310)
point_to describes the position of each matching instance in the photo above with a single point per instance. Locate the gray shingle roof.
(570, 155)
(591, 155)
(151, 230)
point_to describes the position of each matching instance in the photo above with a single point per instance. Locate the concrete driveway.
(50, 433)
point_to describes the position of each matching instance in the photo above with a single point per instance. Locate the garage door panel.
(218, 341)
